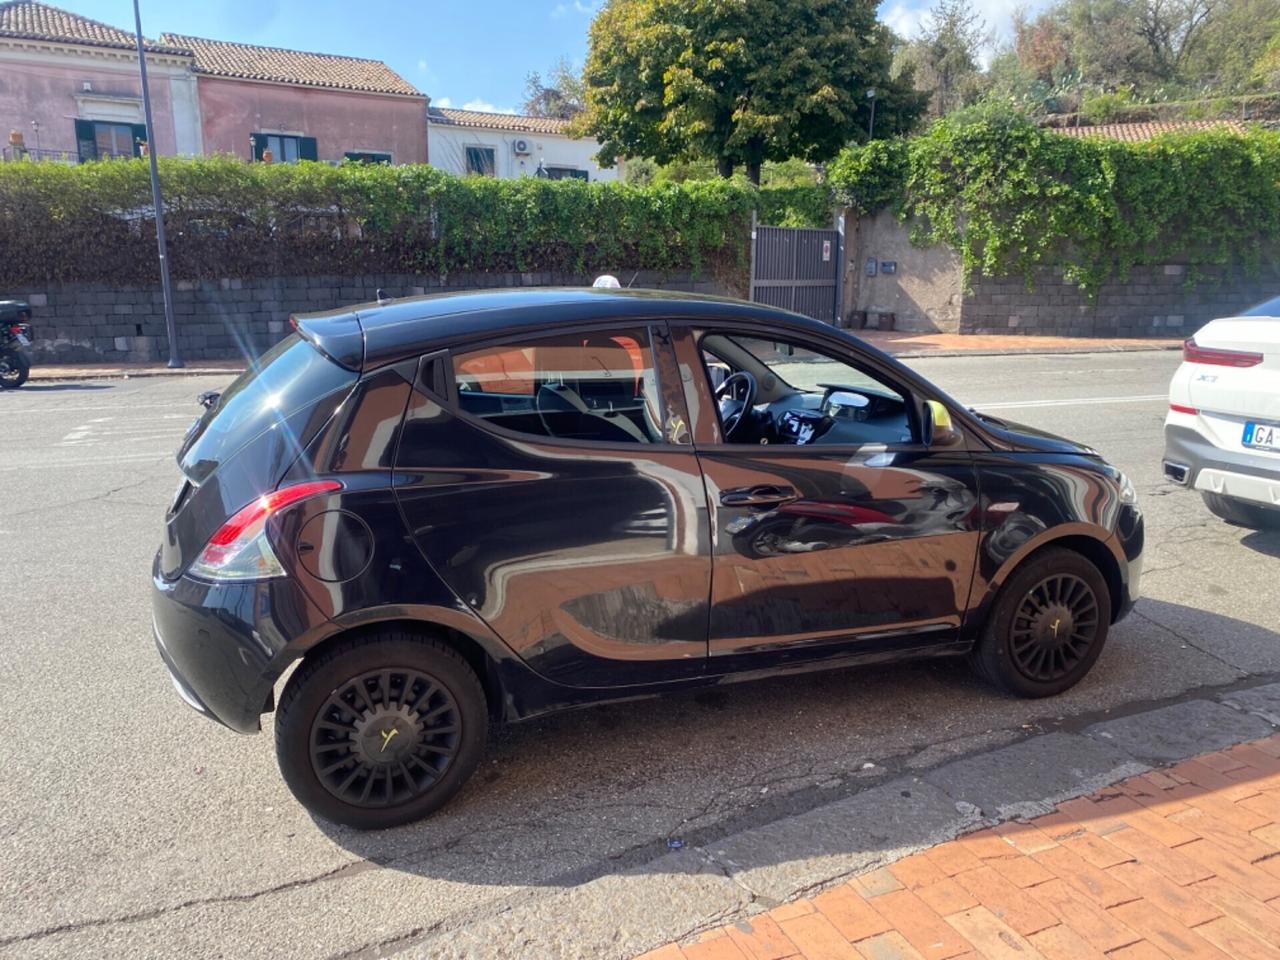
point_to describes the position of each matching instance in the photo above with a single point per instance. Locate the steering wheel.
(740, 389)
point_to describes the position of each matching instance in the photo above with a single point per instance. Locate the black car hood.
(1018, 436)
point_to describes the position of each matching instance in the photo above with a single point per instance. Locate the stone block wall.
(231, 318)
(1155, 301)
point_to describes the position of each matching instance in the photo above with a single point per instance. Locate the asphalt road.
(130, 826)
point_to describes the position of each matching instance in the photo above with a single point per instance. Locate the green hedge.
(1012, 197)
(228, 218)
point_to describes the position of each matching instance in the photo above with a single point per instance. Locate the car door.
(865, 538)
(550, 480)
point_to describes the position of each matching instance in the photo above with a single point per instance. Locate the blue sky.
(460, 54)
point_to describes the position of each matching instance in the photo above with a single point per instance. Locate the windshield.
(1267, 308)
(291, 375)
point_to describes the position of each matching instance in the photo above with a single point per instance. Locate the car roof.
(375, 334)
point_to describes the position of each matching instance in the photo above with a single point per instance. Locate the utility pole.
(871, 130)
(175, 360)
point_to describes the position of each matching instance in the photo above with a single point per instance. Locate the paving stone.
(1181, 730)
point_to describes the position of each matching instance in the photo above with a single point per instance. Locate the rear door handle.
(760, 496)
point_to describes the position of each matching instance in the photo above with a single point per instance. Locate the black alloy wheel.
(1054, 627)
(385, 737)
(380, 729)
(14, 369)
(1047, 626)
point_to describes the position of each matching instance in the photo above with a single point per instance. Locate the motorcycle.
(15, 337)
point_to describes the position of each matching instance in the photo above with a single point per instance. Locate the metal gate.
(797, 270)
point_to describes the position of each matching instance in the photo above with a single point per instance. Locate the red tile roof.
(1137, 132)
(245, 61)
(495, 121)
(27, 20)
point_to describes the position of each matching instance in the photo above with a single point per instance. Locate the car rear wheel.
(14, 369)
(1255, 516)
(1047, 627)
(381, 730)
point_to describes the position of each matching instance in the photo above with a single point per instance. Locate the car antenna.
(633, 279)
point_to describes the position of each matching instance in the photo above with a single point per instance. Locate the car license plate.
(1261, 436)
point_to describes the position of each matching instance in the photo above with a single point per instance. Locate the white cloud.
(904, 19)
(586, 9)
(444, 102)
(484, 106)
(422, 66)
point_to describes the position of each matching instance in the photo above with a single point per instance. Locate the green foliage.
(1107, 107)
(1011, 197)
(810, 205)
(228, 218)
(739, 82)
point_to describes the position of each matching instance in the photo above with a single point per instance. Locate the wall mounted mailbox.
(871, 266)
(888, 266)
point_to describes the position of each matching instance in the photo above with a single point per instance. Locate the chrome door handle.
(761, 496)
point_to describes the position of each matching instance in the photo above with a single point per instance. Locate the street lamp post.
(871, 130)
(175, 360)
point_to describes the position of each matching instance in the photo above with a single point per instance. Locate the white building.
(507, 145)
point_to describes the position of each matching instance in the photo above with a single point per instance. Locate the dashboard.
(839, 415)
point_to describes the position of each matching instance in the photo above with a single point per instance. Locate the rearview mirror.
(939, 431)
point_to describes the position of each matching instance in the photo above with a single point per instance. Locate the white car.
(1222, 433)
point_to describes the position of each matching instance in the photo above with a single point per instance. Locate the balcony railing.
(30, 154)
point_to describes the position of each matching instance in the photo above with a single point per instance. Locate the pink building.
(69, 89)
(308, 106)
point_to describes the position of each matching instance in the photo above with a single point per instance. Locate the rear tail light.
(1192, 352)
(1179, 408)
(240, 549)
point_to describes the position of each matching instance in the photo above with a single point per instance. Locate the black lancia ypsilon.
(460, 510)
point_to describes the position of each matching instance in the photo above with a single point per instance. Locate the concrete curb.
(701, 887)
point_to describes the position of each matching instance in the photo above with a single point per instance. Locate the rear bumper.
(1192, 461)
(224, 645)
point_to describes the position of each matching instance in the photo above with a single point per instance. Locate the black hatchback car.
(457, 510)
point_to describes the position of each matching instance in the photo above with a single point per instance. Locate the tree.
(945, 55)
(740, 81)
(561, 96)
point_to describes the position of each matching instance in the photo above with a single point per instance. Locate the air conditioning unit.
(522, 147)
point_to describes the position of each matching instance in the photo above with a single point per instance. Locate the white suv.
(1222, 433)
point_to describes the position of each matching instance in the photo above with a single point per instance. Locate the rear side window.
(290, 376)
(594, 387)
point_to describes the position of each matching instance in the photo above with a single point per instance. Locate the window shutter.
(139, 136)
(86, 142)
(307, 148)
(259, 144)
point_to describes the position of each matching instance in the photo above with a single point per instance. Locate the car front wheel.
(1243, 513)
(1047, 626)
(380, 730)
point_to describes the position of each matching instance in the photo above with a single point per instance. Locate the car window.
(597, 386)
(775, 391)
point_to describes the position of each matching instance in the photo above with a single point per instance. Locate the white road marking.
(1071, 402)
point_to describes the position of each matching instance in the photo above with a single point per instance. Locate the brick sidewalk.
(1180, 863)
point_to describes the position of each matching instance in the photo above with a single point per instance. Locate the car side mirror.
(939, 431)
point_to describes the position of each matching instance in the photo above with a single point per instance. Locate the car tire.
(395, 691)
(19, 368)
(1243, 513)
(1047, 626)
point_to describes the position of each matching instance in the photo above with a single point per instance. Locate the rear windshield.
(1267, 308)
(290, 376)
